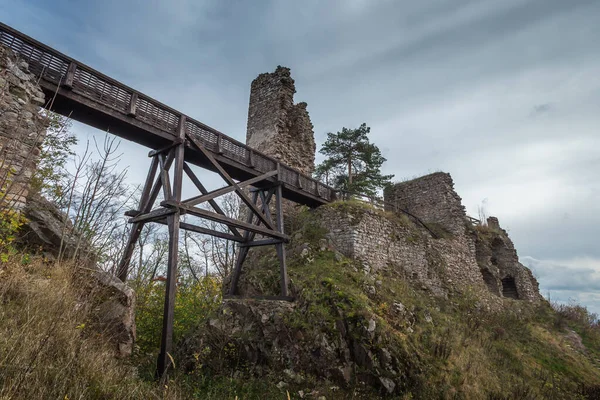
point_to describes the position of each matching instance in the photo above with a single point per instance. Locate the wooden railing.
(62, 71)
(473, 221)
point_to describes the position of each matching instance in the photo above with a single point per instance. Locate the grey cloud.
(444, 84)
(566, 284)
(541, 109)
(556, 276)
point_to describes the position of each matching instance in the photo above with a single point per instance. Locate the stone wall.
(431, 198)
(481, 258)
(500, 267)
(22, 129)
(382, 241)
(277, 126)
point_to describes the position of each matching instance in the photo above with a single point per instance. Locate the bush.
(195, 300)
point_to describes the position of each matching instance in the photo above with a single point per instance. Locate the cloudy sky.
(504, 95)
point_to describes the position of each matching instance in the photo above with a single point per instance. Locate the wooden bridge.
(75, 90)
(95, 99)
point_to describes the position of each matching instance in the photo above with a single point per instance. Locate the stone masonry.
(277, 126)
(500, 267)
(431, 198)
(22, 129)
(380, 240)
(482, 258)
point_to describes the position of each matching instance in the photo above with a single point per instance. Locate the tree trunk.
(349, 171)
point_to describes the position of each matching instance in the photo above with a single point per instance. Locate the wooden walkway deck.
(95, 99)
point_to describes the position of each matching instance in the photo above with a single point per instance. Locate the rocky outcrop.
(22, 129)
(110, 302)
(111, 307)
(263, 338)
(49, 229)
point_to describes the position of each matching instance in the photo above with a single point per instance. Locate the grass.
(440, 348)
(46, 350)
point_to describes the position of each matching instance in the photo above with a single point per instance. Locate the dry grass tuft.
(46, 351)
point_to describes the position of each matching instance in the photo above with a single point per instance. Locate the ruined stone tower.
(22, 129)
(277, 126)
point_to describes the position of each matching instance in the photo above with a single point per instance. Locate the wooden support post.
(166, 343)
(219, 144)
(283, 277)
(179, 159)
(136, 229)
(174, 223)
(134, 235)
(132, 105)
(251, 158)
(70, 76)
(243, 252)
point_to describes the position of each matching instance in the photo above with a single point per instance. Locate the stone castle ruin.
(445, 254)
(277, 126)
(22, 129)
(464, 255)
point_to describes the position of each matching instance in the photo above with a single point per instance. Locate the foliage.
(51, 175)
(11, 222)
(195, 300)
(353, 163)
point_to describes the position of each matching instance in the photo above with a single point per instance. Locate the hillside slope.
(353, 332)
(374, 332)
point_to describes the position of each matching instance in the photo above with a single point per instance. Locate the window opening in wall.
(509, 288)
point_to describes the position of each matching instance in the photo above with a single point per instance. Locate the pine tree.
(353, 164)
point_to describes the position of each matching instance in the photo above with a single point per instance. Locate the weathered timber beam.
(205, 231)
(265, 242)
(175, 143)
(153, 215)
(283, 276)
(227, 189)
(156, 187)
(248, 236)
(166, 342)
(230, 181)
(233, 222)
(203, 190)
(164, 176)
